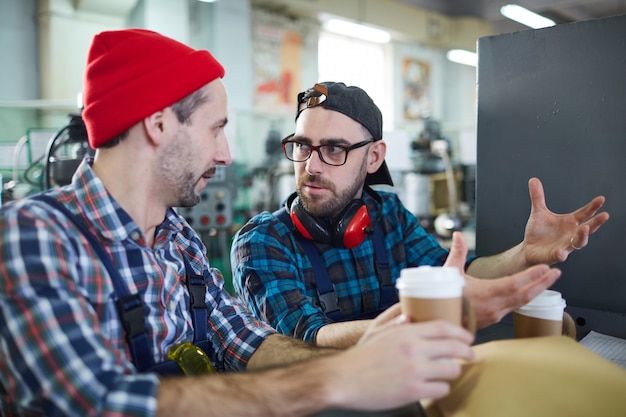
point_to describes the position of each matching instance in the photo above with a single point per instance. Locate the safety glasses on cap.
(312, 97)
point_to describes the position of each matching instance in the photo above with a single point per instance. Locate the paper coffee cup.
(430, 293)
(543, 316)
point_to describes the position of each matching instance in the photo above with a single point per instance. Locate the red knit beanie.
(133, 73)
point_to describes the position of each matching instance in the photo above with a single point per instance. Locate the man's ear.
(376, 156)
(154, 126)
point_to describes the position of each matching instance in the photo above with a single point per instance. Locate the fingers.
(589, 209)
(518, 289)
(393, 313)
(537, 196)
(581, 238)
(535, 276)
(435, 389)
(458, 252)
(591, 220)
(440, 329)
(584, 215)
(391, 317)
(597, 221)
(535, 287)
(442, 369)
(493, 299)
(416, 361)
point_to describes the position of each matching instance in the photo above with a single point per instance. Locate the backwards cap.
(133, 73)
(354, 103)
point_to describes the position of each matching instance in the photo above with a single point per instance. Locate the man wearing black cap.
(330, 256)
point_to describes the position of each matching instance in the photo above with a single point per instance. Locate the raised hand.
(549, 237)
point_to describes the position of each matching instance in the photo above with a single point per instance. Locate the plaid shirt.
(62, 348)
(274, 277)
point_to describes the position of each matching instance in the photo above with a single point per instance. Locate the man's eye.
(332, 149)
(302, 146)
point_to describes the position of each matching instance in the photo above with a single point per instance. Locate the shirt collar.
(107, 216)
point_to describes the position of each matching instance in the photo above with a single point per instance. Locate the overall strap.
(130, 307)
(197, 305)
(388, 294)
(325, 287)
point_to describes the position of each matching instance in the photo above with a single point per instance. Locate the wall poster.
(416, 102)
(277, 67)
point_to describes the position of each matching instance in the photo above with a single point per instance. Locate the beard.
(187, 195)
(333, 206)
(176, 171)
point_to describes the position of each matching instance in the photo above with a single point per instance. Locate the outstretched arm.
(416, 361)
(549, 237)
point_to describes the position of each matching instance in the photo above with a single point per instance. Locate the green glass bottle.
(191, 359)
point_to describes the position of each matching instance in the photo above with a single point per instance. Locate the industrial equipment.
(65, 152)
(433, 187)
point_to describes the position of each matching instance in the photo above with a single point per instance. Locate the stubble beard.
(177, 174)
(327, 206)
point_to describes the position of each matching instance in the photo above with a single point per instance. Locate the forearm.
(415, 362)
(278, 350)
(295, 390)
(504, 263)
(341, 335)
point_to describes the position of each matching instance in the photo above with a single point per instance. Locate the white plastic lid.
(548, 305)
(430, 282)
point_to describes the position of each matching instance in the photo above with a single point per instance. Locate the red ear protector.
(348, 231)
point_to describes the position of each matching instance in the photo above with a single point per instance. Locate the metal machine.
(432, 187)
(44, 158)
(65, 152)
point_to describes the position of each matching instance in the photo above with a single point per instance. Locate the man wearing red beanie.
(104, 289)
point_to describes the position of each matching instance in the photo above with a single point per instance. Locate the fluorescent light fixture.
(208, 1)
(461, 56)
(356, 30)
(525, 16)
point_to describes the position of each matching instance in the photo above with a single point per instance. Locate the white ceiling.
(561, 11)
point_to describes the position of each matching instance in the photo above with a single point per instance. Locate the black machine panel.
(552, 105)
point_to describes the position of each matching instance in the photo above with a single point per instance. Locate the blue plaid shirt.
(62, 348)
(275, 279)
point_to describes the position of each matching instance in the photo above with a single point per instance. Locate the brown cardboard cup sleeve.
(469, 316)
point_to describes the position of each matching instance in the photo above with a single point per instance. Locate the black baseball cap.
(354, 103)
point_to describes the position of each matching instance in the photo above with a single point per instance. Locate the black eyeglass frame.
(346, 148)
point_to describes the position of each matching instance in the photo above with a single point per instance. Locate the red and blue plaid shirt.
(62, 347)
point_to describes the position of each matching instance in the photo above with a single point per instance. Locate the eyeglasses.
(335, 155)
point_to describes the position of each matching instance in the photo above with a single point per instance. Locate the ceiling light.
(461, 56)
(525, 16)
(356, 30)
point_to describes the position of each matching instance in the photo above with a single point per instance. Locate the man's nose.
(223, 156)
(314, 163)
